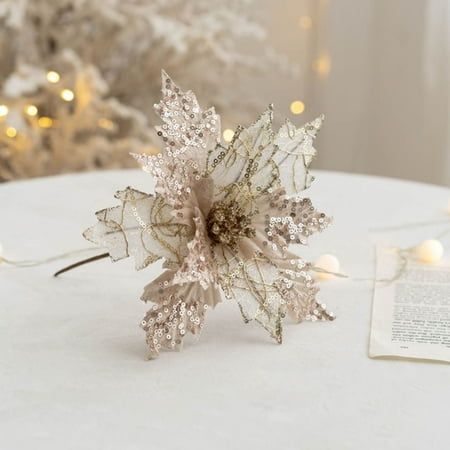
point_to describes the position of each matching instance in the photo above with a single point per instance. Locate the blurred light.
(106, 124)
(228, 135)
(67, 95)
(150, 150)
(31, 110)
(53, 77)
(322, 65)
(297, 107)
(329, 264)
(305, 22)
(45, 122)
(11, 132)
(3, 110)
(430, 251)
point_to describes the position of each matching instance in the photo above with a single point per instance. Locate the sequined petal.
(141, 227)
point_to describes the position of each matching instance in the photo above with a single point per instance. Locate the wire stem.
(81, 263)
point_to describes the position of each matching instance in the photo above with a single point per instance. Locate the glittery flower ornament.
(222, 218)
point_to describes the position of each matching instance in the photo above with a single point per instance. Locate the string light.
(53, 77)
(305, 22)
(322, 65)
(45, 122)
(297, 107)
(31, 110)
(67, 95)
(228, 135)
(3, 110)
(328, 263)
(11, 132)
(430, 251)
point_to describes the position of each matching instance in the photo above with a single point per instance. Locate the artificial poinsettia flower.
(223, 218)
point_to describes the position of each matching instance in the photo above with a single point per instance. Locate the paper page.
(411, 315)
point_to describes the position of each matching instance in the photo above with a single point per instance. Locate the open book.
(411, 315)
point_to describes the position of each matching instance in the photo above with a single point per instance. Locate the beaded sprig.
(223, 219)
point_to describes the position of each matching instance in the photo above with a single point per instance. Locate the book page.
(411, 315)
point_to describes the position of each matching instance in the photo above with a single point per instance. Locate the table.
(73, 372)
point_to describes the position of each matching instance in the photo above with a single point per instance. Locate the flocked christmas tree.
(78, 78)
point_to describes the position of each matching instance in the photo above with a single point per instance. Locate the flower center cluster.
(227, 223)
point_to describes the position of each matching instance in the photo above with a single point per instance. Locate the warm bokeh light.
(3, 110)
(322, 65)
(329, 264)
(67, 95)
(11, 132)
(31, 110)
(106, 124)
(297, 107)
(150, 150)
(53, 77)
(45, 122)
(430, 251)
(228, 135)
(305, 22)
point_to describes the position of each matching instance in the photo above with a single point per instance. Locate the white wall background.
(379, 70)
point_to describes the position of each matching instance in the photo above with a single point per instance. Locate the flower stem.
(81, 263)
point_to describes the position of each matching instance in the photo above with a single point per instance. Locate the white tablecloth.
(73, 373)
